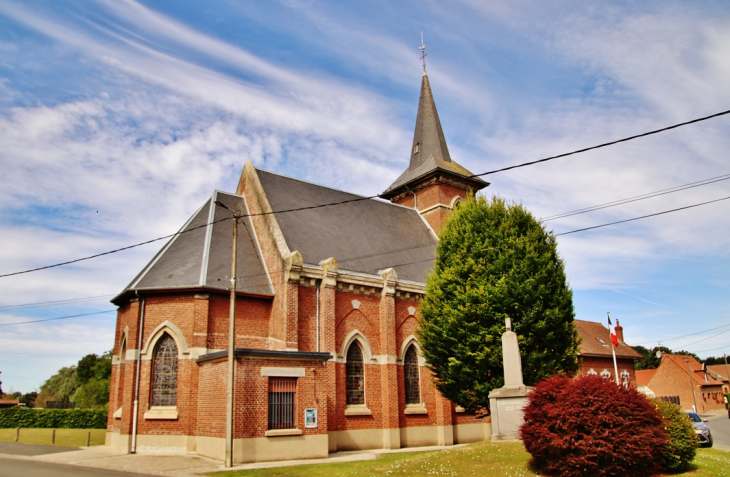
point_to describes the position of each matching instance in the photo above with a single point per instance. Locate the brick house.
(326, 353)
(721, 372)
(684, 377)
(595, 356)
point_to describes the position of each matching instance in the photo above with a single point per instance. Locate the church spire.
(432, 183)
(430, 158)
(428, 138)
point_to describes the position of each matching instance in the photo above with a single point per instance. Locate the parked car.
(703, 432)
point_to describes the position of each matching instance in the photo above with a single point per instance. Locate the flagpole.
(613, 350)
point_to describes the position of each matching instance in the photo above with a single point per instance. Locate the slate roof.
(363, 236)
(199, 257)
(432, 153)
(596, 341)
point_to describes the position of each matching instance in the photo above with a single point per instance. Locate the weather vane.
(423, 50)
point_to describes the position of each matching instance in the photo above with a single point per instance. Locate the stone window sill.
(357, 410)
(459, 409)
(283, 432)
(416, 409)
(117, 414)
(162, 413)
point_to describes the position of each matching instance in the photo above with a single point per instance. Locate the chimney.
(619, 332)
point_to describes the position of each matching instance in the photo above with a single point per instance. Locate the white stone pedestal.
(507, 415)
(507, 402)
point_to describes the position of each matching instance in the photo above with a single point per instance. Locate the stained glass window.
(355, 375)
(410, 368)
(164, 372)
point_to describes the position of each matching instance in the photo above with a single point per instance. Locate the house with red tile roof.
(721, 372)
(643, 377)
(685, 379)
(595, 352)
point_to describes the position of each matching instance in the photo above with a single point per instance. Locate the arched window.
(625, 377)
(606, 374)
(412, 378)
(355, 375)
(164, 372)
(120, 371)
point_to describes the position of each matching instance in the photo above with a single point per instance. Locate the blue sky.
(118, 118)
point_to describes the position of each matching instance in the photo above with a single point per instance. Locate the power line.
(704, 339)
(605, 144)
(358, 199)
(713, 349)
(642, 217)
(636, 198)
(59, 318)
(684, 336)
(52, 303)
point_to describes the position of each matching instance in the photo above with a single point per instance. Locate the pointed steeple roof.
(429, 152)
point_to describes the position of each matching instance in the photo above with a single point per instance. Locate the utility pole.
(727, 374)
(231, 341)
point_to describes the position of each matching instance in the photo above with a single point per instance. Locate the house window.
(281, 402)
(625, 377)
(355, 375)
(606, 374)
(592, 372)
(164, 372)
(412, 384)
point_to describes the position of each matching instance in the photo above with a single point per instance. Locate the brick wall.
(598, 364)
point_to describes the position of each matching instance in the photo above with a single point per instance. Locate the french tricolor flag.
(612, 330)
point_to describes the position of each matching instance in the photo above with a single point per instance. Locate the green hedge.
(53, 418)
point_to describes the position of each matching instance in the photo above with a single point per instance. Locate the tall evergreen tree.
(495, 261)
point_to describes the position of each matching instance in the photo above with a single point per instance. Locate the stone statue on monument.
(506, 403)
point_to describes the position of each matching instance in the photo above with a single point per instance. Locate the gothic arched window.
(412, 378)
(355, 375)
(164, 372)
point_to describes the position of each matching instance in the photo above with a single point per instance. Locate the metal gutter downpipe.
(317, 283)
(135, 411)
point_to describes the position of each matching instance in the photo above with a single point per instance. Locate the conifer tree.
(495, 260)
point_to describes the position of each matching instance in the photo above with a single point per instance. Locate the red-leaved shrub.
(591, 426)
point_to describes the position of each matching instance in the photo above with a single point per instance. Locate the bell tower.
(433, 184)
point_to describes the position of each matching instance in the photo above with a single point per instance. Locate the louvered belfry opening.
(164, 373)
(355, 375)
(282, 392)
(412, 381)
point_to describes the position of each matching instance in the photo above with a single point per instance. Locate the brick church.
(326, 297)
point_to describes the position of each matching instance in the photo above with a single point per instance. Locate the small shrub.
(681, 446)
(591, 426)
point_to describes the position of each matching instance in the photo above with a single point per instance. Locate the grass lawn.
(482, 459)
(64, 437)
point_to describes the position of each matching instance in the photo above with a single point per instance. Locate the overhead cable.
(642, 217)
(358, 199)
(605, 144)
(648, 195)
(58, 318)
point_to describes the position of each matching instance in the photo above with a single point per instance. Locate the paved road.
(16, 467)
(24, 464)
(720, 428)
(18, 448)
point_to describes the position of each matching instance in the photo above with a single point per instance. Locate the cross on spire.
(423, 56)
